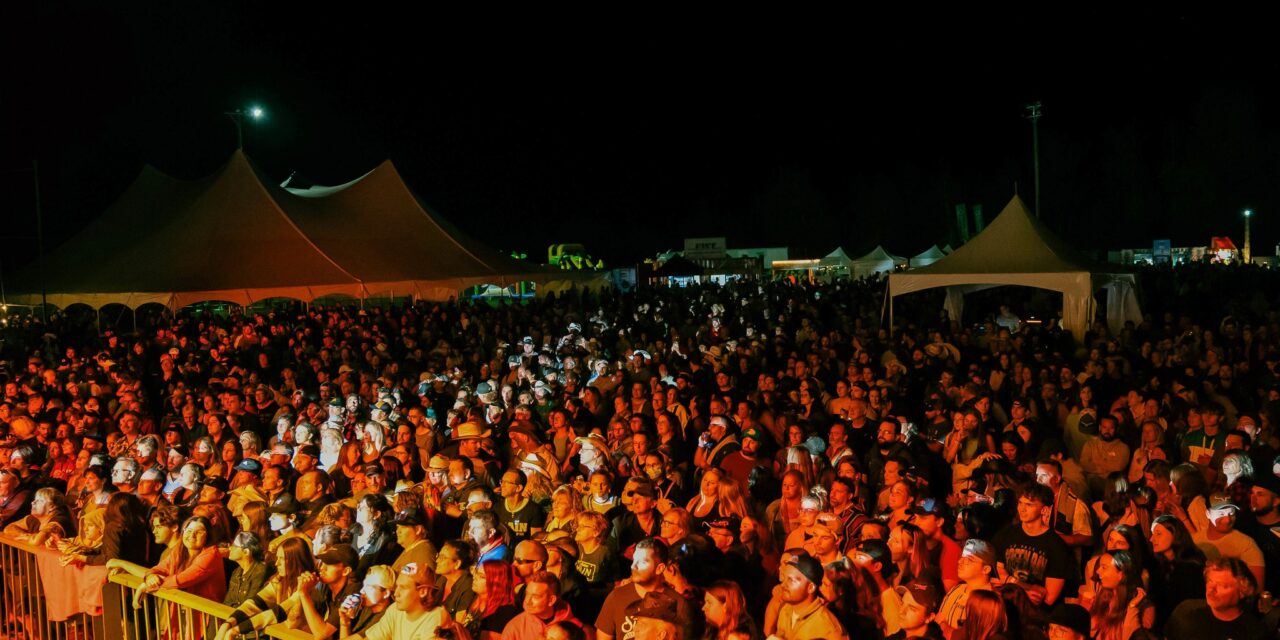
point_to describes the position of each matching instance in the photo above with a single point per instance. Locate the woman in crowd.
(255, 518)
(279, 600)
(495, 603)
(910, 550)
(125, 536)
(193, 566)
(566, 504)
(247, 552)
(1119, 606)
(1179, 566)
(726, 612)
(376, 540)
(49, 522)
(984, 618)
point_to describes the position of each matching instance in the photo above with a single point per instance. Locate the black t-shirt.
(1193, 620)
(1032, 559)
(599, 566)
(523, 520)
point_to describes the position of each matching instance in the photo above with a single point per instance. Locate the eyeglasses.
(524, 561)
(410, 569)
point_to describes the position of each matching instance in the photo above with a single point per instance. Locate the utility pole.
(1248, 245)
(1034, 116)
(44, 299)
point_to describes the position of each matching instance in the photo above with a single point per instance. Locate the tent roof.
(222, 237)
(932, 253)
(382, 233)
(1015, 242)
(234, 237)
(879, 254)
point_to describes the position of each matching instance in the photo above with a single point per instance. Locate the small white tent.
(838, 260)
(877, 261)
(1017, 249)
(928, 257)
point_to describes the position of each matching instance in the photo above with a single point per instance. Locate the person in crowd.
(1029, 553)
(357, 615)
(804, 615)
(984, 618)
(411, 536)
(495, 603)
(247, 552)
(417, 613)
(194, 566)
(1224, 611)
(648, 565)
(453, 567)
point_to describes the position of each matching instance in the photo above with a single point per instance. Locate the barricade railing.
(170, 614)
(25, 611)
(41, 599)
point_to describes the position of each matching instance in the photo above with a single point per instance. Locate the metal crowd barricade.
(23, 605)
(170, 614)
(167, 614)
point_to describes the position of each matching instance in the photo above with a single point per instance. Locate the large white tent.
(878, 260)
(1017, 249)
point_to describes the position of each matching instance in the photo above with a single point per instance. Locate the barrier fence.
(42, 600)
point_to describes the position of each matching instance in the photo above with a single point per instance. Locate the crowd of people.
(740, 462)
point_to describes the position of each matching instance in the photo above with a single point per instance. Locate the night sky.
(631, 132)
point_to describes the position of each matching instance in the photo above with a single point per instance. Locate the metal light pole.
(237, 117)
(1248, 250)
(44, 298)
(1034, 116)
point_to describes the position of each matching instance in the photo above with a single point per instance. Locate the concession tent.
(1017, 249)
(877, 261)
(928, 257)
(233, 237)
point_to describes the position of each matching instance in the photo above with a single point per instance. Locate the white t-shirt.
(395, 624)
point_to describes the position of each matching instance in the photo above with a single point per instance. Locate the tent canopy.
(1017, 249)
(928, 257)
(878, 260)
(382, 233)
(234, 237)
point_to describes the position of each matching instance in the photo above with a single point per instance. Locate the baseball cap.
(923, 593)
(808, 566)
(979, 549)
(217, 482)
(342, 554)
(931, 507)
(752, 434)
(658, 605)
(727, 522)
(373, 469)
(250, 465)
(643, 488)
(411, 517)
(285, 504)
(830, 523)
(1267, 481)
(308, 450)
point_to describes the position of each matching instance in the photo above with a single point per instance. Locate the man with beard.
(888, 445)
(647, 569)
(1223, 613)
(1103, 454)
(804, 614)
(740, 463)
(521, 516)
(851, 514)
(1264, 501)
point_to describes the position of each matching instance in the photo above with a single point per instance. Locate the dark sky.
(629, 133)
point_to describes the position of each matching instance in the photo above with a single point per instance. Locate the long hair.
(1184, 548)
(1139, 547)
(259, 520)
(184, 557)
(500, 585)
(917, 548)
(984, 616)
(1111, 605)
(735, 607)
(126, 513)
(297, 560)
(729, 500)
